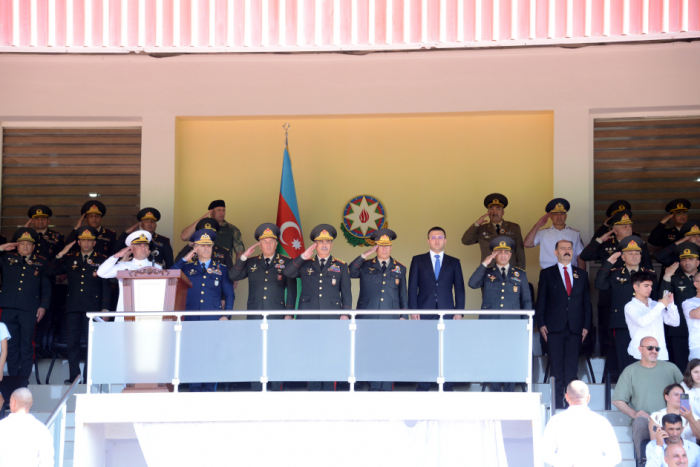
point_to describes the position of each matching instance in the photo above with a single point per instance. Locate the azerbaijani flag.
(291, 239)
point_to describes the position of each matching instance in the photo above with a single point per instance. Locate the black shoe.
(68, 382)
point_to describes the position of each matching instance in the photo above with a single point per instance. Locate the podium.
(153, 289)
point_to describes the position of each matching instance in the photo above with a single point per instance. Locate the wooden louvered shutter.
(648, 162)
(61, 167)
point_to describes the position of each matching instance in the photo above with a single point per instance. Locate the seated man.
(640, 388)
(670, 435)
(676, 456)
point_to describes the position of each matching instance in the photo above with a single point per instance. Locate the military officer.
(492, 225)
(229, 236)
(92, 212)
(210, 281)
(219, 253)
(268, 288)
(680, 282)
(505, 287)
(556, 210)
(614, 208)
(318, 272)
(690, 232)
(669, 229)
(24, 297)
(161, 250)
(382, 285)
(86, 292)
(50, 242)
(601, 248)
(618, 281)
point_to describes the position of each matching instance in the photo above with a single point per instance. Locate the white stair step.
(615, 417)
(69, 463)
(627, 451)
(624, 463)
(68, 450)
(623, 434)
(70, 434)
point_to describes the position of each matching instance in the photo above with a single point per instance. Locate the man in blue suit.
(431, 281)
(563, 314)
(210, 281)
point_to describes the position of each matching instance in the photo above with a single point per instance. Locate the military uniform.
(668, 255)
(210, 282)
(161, 250)
(664, 234)
(483, 234)
(49, 243)
(324, 287)
(219, 253)
(107, 238)
(682, 287)
(614, 208)
(618, 282)
(509, 292)
(227, 235)
(25, 289)
(268, 288)
(86, 292)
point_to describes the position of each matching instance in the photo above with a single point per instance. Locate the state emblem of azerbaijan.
(361, 216)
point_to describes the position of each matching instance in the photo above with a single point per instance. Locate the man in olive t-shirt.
(640, 389)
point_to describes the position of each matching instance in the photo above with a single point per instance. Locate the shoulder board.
(339, 260)
(55, 232)
(39, 256)
(222, 247)
(254, 257)
(109, 230)
(99, 255)
(163, 237)
(75, 253)
(192, 260)
(616, 269)
(515, 267)
(282, 255)
(398, 262)
(648, 270)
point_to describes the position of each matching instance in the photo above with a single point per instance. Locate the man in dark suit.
(563, 315)
(431, 281)
(382, 285)
(505, 288)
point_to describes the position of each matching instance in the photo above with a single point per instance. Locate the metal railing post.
(353, 329)
(441, 331)
(529, 352)
(178, 337)
(263, 379)
(91, 331)
(553, 401)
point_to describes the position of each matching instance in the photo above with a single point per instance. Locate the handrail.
(118, 314)
(63, 400)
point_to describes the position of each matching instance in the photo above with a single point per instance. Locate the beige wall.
(427, 170)
(576, 84)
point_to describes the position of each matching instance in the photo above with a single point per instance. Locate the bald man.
(579, 436)
(675, 456)
(24, 440)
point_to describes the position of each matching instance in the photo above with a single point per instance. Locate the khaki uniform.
(487, 232)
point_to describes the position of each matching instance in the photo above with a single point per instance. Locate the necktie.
(503, 272)
(204, 267)
(437, 266)
(85, 257)
(24, 260)
(267, 263)
(498, 228)
(383, 266)
(323, 264)
(567, 279)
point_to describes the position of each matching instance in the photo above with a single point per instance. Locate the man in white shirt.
(670, 435)
(557, 210)
(691, 310)
(675, 456)
(24, 440)
(579, 436)
(645, 317)
(137, 244)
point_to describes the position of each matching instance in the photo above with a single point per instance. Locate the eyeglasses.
(437, 237)
(651, 347)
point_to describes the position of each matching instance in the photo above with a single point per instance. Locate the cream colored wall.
(427, 170)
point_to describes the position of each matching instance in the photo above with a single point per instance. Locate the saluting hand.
(134, 227)
(666, 219)
(606, 236)
(489, 258)
(8, 246)
(246, 254)
(670, 271)
(80, 222)
(613, 258)
(207, 214)
(122, 252)
(542, 221)
(309, 251)
(370, 251)
(189, 255)
(65, 250)
(482, 220)
(29, 223)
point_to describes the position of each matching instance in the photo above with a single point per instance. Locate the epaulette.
(192, 260)
(616, 269)
(109, 230)
(339, 260)
(398, 262)
(282, 255)
(516, 267)
(222, 247)
(254, 257)
(647, 270)
(100, 254)
(39, 256)
(75, 253)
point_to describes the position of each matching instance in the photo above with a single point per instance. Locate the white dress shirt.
(643, 321)
(548, 238)
(571, 274)
(694, 394)
(693, 326)
(442, 258)
(580, 437)
(112, 265)
(655, 454)
(25, 442)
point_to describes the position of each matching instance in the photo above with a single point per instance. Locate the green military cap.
(148, 214)
(267, 230)
(631, 243)
(690, 228)
(502, 243)
(617, 206)
(688, 250)
(88, 233)
(39, 210)
(558, 205)
(622, 217)
(383, 237)
(497, 199)
(93, 207)
(678, 205)
(207, 223)
(323, 232)
(25, 234)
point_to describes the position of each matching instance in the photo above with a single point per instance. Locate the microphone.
(153, 257)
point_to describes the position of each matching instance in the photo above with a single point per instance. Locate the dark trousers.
(381, 385)
(678, 351)
(562, 349)
(20, 348)
(75, 323)
(621, 340)
(426, 386)
(10, 383)
(502, 387)
(202, 387)
(321, 386)
(274, 386)
(603, 325)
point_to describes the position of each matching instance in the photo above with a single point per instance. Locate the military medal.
(192, 271)
(333, 281)
(210, 270)
(89, 261)
(502, 231)
(279, 277)
(493, 278)
(253, 268)
(397, 281)
(75, 265)
(94, 273)
(516, 273)
(36, 272)
(515, 288)
(575, 275)
(216, 283)
(29, 261)
(310, 271)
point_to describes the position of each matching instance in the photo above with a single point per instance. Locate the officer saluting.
(505, 287)
(161, 250)
(24, 297)
(219, 253)
(92, 212)
(382, 285)
(325, 282)
(210, 282)
(86, 292)
(667, 232)
(49, 241)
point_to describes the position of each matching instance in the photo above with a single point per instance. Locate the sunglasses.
(651, 347)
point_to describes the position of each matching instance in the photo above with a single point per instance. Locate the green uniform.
(229, 237)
